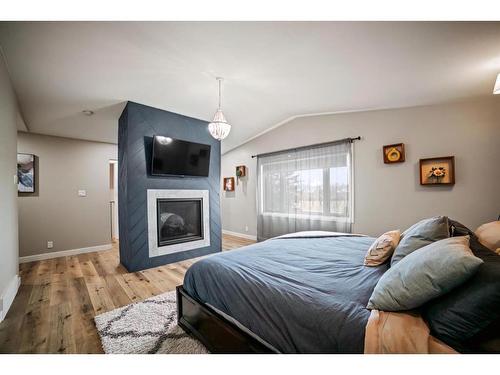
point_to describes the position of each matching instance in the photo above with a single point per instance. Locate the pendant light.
(496, 89)
(219, 128)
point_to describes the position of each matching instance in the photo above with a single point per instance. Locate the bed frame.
(215, 331)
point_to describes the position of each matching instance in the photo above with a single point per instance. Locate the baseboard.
(64, 253)
(8, 295)
(242, 235)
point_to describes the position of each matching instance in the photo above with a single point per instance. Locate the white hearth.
(155, 197)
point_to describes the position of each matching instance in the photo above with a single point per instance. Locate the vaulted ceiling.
(273, 70)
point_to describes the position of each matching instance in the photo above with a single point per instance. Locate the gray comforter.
(301, 295)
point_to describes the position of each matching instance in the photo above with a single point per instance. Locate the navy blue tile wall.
(137, 125)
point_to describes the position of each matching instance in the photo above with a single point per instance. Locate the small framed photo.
(437, 171)
(228, 184)
(241, 171)
(25, 173)
(394, 153)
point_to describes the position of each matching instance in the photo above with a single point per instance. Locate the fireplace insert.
(179, 220)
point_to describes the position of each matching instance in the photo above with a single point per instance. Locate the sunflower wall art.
(394, 153)
(437, 171)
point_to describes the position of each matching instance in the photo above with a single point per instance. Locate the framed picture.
(241, 171)
(394, 153)
(228, 184)
(437, 171)
(25, 173)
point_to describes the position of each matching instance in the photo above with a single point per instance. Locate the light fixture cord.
(220, 95)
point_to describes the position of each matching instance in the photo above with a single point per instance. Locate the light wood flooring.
(58, 298)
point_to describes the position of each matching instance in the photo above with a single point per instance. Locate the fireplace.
(178, 220)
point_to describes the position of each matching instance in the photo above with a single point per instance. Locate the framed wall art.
(25, 173)
(228, 184)
(241, 171)
(437, 171)
(394, 153)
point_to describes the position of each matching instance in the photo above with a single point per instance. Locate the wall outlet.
(82, 193)
(246, 228)
(50, 244)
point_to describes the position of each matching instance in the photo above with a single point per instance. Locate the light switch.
(82, 193)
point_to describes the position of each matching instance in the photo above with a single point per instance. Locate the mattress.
(301, 295)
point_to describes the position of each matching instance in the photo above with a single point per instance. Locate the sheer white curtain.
(305, 189)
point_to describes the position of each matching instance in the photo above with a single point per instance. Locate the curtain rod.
(309, 146)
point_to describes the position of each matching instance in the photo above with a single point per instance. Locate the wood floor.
(58, 298)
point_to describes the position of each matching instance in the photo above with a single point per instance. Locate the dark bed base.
(216, 332)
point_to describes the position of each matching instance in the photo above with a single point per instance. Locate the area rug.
(149, 326)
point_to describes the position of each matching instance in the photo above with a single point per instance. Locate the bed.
(305, 293)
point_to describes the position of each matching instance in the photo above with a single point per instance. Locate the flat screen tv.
(175, 157)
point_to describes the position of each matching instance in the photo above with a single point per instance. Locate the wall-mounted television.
(175, 157)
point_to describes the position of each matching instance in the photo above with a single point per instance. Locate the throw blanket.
(401, 333)
(317, 234)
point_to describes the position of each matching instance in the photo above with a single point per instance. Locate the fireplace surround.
(138, 125)
(178, 220)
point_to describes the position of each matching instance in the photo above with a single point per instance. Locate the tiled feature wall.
(137, 125)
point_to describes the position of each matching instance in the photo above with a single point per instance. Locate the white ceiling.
(273, 70)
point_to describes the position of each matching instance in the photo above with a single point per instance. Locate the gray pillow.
(425, 274)
(419, 235)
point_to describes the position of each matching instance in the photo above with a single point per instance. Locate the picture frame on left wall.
(25, 173)
(228, 184)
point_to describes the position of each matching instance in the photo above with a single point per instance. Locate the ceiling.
(273, 71)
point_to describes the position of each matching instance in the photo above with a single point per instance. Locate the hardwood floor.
(58, 298)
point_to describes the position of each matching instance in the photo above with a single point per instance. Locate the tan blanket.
(401, 332)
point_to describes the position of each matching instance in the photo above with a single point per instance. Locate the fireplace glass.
(179, 220)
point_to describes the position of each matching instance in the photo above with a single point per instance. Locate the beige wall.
(8, 189)
(389, 196)
(56, 212)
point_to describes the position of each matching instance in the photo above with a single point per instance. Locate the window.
(308, 189)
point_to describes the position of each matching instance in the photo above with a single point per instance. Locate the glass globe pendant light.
(219, 128)
(496, 89)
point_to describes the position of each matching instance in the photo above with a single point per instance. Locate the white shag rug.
(149, 326)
